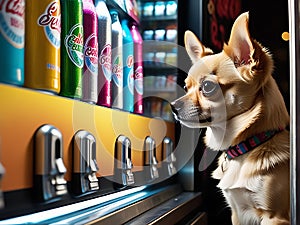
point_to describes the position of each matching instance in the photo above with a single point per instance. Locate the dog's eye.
(209, 88)
(185, 88)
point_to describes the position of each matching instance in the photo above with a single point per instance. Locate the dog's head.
(224, 85)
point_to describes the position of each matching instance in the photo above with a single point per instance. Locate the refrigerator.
(211, 21)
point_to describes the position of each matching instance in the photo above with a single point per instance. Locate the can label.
(117, 71)
(91, 53)
(138, 80)
(74, 45)
(50, 20)
(130, 78)
(12, 21)
(105, 61)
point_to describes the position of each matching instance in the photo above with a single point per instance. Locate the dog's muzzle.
(176, 106)
(190, 116)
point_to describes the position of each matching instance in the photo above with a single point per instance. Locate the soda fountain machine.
(77, 144)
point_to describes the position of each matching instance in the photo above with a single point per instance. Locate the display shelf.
(165, 90)
(172, 18)
(154, 45)
(163, 68)
(127, 9)
(23, 111)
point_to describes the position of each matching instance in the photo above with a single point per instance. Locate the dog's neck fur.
(267, 113)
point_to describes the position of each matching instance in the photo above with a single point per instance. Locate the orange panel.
(23, 111)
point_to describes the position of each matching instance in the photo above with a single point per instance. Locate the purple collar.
(250, 143)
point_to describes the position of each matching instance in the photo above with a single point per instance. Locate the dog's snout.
(174, 109)
(177, 105)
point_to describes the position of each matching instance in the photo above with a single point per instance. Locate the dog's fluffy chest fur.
(244, 202)
(253, 186)
(243, 195)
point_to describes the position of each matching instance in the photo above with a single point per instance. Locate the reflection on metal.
(169, 158)
(85, 165)
(186, 148)
(125, 209)
(294, 25)
(49, 172)
(150, 161)
(85, 211)
(173, 211)
(123, 165)
(2, 171)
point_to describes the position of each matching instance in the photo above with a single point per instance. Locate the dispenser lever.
(49, 181)
(85, 165)
(150, 159)
(169, 158)
(123, 164)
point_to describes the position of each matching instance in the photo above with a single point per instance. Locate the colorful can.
(117, 61)
(104, 51)
(128, 60)
(90, 69)
(72, 56)
(42, 53)
(138, 68)
(12, 28)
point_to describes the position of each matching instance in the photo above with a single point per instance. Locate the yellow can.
(42, 44)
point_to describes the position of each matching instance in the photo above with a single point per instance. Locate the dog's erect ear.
(240, 47)
(194, 47)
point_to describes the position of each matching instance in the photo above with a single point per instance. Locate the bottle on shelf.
(104, 54)
(90, 69)
(12, 43)
(138, 68)
(72, 57)
(128, 66)
(117, 61)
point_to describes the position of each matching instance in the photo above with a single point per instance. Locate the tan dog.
(233, 94)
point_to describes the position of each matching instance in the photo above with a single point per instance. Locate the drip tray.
(181, 209)
(167, 204)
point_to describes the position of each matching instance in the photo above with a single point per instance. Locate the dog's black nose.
(176, 106)
(174, 109)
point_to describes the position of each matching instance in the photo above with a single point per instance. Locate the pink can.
(138, 68)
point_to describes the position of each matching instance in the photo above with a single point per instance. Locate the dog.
(234, 96)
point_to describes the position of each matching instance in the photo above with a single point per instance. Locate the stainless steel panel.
(294, 29)
(185, 156)
(172, 211)
(125, 214)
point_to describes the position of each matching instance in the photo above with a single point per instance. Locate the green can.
(72, 56)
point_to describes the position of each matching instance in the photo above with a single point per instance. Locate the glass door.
(158, 25)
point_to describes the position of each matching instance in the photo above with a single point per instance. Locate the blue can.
(12, 36)
(117, 61)
(128, 62)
